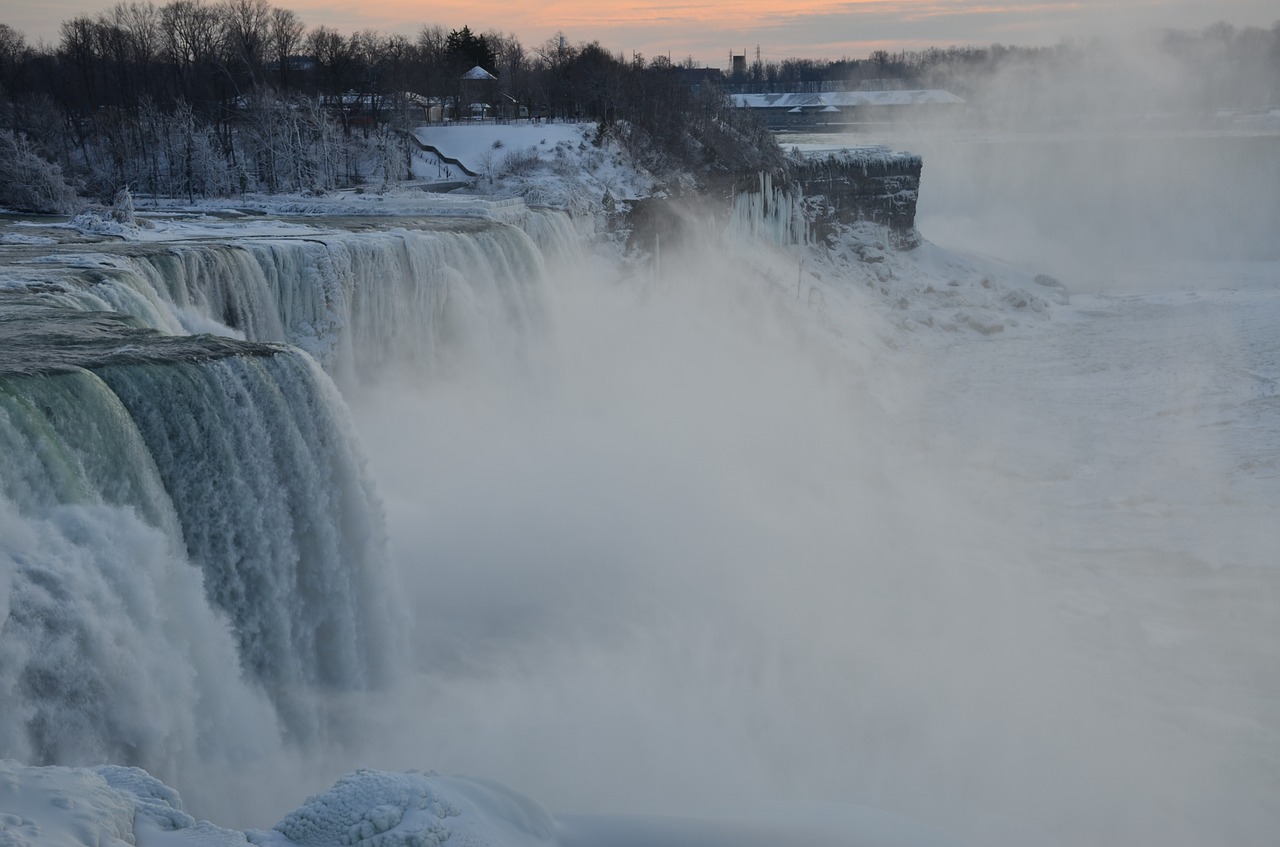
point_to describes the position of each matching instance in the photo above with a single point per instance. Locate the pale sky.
(709, 29)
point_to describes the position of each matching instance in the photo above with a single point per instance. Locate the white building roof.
(844, 99)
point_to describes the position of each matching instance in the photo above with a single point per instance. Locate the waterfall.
(359, 302)
(109, 649)
(261, 467)
(192, 558)
(168, 515)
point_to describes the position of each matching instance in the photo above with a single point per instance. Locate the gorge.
(681, 533)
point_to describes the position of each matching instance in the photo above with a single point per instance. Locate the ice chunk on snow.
(364, 807)
(379, 809)
(152, 799)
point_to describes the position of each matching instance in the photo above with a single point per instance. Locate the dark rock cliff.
(807, 201)
(872, 184)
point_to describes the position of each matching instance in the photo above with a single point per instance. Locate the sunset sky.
(709, 29)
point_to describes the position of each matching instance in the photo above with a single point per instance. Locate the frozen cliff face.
(816, 198)
(862, 184)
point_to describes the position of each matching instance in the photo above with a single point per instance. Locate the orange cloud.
(707, 28)
(589, 15)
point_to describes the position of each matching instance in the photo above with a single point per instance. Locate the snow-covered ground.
(555, 164)
(112, 806)
(483, 147)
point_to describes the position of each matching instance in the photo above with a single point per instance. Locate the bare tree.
(192, 34)
(284, 35)
(248, 26)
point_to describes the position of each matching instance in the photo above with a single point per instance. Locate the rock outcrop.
(873, 184)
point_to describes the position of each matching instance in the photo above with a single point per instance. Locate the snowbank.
(107, 806)
(111, 806)
(378, 809)
(482, 147)
(931, 293)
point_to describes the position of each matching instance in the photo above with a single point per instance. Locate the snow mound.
(103, 222)
(151, 798)
(932, 292)
(371, 808)
(563, 166)
(479, 146)
(62, 807)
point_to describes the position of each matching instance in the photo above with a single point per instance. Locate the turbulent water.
(120, 480)
(194, 556)
(358, 304)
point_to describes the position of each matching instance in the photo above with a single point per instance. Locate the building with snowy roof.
(847, 107)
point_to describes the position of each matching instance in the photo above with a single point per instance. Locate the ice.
(379, 809)
(115, 806)
(64, 807)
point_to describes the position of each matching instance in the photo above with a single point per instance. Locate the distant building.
(836, 108)
(478, 74)
(695, 77)
(479, 94)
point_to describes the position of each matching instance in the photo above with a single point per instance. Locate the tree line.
(197, 99)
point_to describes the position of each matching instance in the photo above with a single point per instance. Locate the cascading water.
(241, 464)
(193, 555)
(259, 462)
(358, 302)
(110, 649)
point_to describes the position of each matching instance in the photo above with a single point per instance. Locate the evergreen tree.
(464, 48)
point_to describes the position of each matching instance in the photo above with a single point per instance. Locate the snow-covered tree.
(28, 182)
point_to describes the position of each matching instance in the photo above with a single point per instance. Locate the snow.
(475, 145)
(551, 164)
(106, 806)
(262, 217)
(835, 100)
(378, 809)
(928, 296)
(1192, 376)
(61, 807)
(112, 806)
(21, 238)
